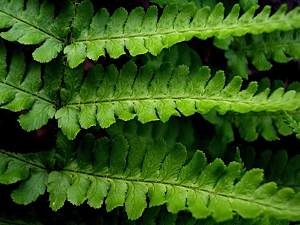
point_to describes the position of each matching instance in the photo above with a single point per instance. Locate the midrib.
(34, 26)
(254, 102)
(166, 183)
(205, 31)
(153, 181)
(28, 93)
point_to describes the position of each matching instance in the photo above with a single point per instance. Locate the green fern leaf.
(161, 173)
(16, 221)
(31, 189)
(153, 216)
(179, 54)
(253, 125)
(141, 32)
(159, 216)
(293, 122)
(280, 47)
(278, 166)
(32, 23)
(199, 3)
(22, 89)
(266, 125)
(174, 131)
(245, 4)
(107, 94)
(15, 168)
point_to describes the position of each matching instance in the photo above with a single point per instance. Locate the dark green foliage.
(156, 112)
(124, 170)
(259, 50)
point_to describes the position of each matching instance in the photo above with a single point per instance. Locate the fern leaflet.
(253, 125)
(245, 4)
(22, 88)
(125, 171)
(141, 32)
(174, 131)
(153, 216)
(280, 47)
(159, 94)
(14, 221)
(278, 166)
(32, 23)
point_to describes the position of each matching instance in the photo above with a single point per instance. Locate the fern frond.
(152, 216)
(26, 168)
(22, 88)
(141, 32)
(245, 4)
(280, 47)
(159, 216)
(235, 221)
(107, 94)
(179, 54)
(199, 3)
(224, 134)
(264, 124)
(174, 131)
(111, 171)
(15, 221)
(278, 166)
(253, 125)
(35, 23)
(294, 122)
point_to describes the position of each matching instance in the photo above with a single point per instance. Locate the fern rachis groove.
(191, 32)
(194, 98)
(27, 162)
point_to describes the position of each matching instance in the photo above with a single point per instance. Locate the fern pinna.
(125, 169)
(114, 101)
